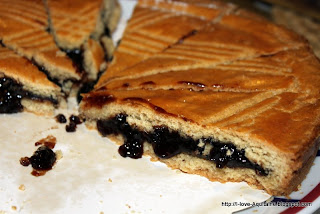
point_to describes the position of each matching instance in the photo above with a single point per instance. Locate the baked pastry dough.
(81, 27)
(25, 32)
(24, 87)
(232, 97)
(26, 27)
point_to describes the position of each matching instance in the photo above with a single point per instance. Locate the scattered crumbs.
(14, 208)
(128, 206)
(254, 211)
(311, 185)
(133, 211)
(160, 196)
(301, 193)
(110, 180)
(2, 212)
(54, 127)
(299, 187)
(313, 164)
(101, 201)
(59, 154)
(101, 212)
(114, 157)
(22, 187)
(178, 172)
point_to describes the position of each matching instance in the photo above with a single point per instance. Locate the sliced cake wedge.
(24, 88)
(235, 100)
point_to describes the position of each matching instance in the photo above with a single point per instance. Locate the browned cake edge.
(287, 172)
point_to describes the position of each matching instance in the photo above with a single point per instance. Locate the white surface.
(92, 177)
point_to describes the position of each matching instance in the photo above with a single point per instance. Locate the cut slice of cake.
(25, 32)
(235, 100)
(79, 28)
(24, 87)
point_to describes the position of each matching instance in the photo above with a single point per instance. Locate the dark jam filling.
(76, 55)
(44, 70)
(87, 87)
(167, 144)
(11, 93)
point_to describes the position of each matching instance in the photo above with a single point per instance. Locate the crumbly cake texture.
(32, 80)
(25, 32)
(26, 28)
(76, 25)
(232, 77)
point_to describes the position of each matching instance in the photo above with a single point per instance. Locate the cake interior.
(167, 143)
(12, 92)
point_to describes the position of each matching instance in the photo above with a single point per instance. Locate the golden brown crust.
(32, 80)
(81, 25)
(26, 34)
(72, 22)
(232, 77)
(150, 30)
(25, 73)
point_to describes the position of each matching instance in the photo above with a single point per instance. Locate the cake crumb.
(22, 187)
(101, 212)
(110, 180)
(14, 208)
(299, 187)
(128, 206)
(54, 127)
(160, 196)
(59, 154)
(254, 211)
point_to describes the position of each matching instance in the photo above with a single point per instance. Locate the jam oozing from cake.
(133, 139)
(11, 94)
(76, 55)
(87, 86)
(167, 144)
